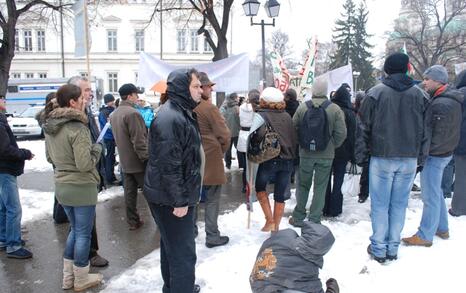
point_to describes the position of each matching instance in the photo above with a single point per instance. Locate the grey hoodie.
(288, 261)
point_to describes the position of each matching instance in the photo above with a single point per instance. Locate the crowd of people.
(177, 156)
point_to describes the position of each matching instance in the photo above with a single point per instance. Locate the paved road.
(120, 246)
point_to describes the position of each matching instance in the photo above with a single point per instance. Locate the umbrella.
(160, 86)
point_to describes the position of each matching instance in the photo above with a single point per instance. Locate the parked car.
(26, 124)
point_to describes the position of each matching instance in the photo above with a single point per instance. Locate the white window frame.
(194, 41)
(112, 40)
(181, 41)
(112, 81)
(139, 36)
(15, 75)
(27, 36)
(16, 40)
(40, 40)
(207, 48)
(42, 75)
(29, 75)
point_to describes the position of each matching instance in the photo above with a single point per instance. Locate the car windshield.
(30, 112)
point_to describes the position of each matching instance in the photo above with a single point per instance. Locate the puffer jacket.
(343, 99)
(11, 157)
(288, 261)
(444, 116)
(461, 86)
(173, 173)
(391, 121)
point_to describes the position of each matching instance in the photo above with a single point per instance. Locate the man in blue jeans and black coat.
(392, 135)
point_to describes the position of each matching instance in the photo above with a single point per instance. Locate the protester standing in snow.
(443, 117)
(458, 203)
(215, 141)
(316, 161)
(86, 90)
(364, 179)
(130, 134)
(272, 112)
(11, 166)
(392, 131)
(109, 140)
(230, 111)
(290, 263)
(173, 180)
(70, 150)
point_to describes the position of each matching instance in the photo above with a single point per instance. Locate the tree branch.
(34, 3)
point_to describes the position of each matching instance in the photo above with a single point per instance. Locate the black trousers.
(364, 181)
(177, 249)
(334, 198)
(234, 141)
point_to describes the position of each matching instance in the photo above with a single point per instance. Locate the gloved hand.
(332, 286)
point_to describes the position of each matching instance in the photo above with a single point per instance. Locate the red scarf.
(440, 90)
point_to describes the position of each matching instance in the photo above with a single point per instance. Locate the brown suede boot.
(278, 209)
(263, 199)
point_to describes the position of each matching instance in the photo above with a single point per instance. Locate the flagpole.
(86, 39)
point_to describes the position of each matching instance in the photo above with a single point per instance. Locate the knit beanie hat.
(396, 63)
(108, 98)
(320, 87)
(272, 95)
(437, 73)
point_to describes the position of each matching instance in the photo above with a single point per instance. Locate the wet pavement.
(120, 246)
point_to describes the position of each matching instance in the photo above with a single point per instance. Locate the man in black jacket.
(11, 166)
(443, 117)
(392, 132)
(172, 182)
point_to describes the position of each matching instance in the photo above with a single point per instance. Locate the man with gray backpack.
(321, 128)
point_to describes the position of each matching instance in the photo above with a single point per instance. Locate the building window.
(42, 75)
(16, 75)
(112, 82)
(16, 40)
(139, 36)
(112, 40)
(29, 75)
(194, 41)
(28, 40)
(181, 40)
(41, 41)
(83, 74)
(207, 47)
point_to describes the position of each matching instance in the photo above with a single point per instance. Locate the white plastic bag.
(350, 185)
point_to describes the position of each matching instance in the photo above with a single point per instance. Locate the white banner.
(338, 76)
(230, 74)
(281, 76)
(309, 68)
(79, 33)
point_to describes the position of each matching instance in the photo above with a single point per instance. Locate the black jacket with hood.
(288, 261)
(461, 85)
(392, 120)
(342, 98)
(444, 116)
(173, 175)
(11, 157)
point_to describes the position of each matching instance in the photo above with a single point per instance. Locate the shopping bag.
(350, 185)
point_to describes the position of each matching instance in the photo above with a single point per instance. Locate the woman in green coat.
(70, 150)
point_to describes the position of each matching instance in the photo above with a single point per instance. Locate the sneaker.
(416, 241)
(295, 223)
(376, 258)
(222, 240)
(3, 248)
(362, 198)
(444, 235)
(392, 257)
(21, 253)
(450, 211)
(415, 188)
(98, 261)
(136, 226)
(197, 288)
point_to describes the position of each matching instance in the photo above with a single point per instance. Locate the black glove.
(332, 286)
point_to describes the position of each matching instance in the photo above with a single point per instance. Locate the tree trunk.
(7, 52)
(221, 52)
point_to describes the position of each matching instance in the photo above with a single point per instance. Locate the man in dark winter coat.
(458, 202)
(287, 262)
(443, 120)
(109, 140)
(172, 183)
(343, 154)
(392, 132)
(95, 259)
(11, 166)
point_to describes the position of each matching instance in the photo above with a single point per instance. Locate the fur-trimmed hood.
(41, 116)
(56, 119)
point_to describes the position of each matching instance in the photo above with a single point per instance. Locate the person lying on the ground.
(290, 263)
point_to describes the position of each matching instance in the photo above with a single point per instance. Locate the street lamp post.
(356, 74)
(272, 8)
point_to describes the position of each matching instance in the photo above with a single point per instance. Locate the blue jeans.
(390, 181)
(447, 178)
(79, 239)
(434, 214)
(281, 170)
(10, 213)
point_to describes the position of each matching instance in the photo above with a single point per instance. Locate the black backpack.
(313, 131)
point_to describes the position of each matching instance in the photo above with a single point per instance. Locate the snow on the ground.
(39, 162)
(226, 269)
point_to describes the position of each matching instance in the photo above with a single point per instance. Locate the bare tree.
(215, 14)
(9, 15)
(434, 32)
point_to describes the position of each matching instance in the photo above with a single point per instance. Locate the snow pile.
(39, 162)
